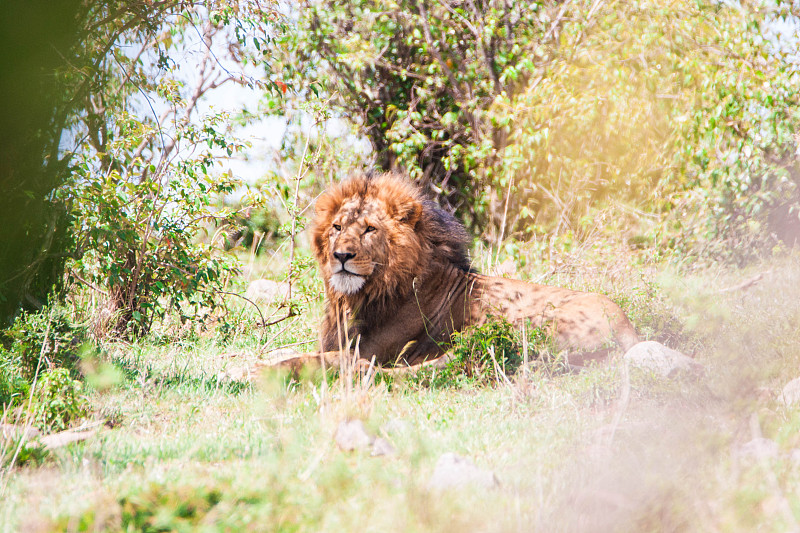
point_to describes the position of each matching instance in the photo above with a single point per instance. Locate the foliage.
(739, 148)
(655, 316)
(48, 339)
(139, 240)
(254, 228)
(160, 509)
(23, 453)
(487, 354)
(31, 124)
(173, 507)
(58, 400)
(14, 388)
(686, 108)
(145, 185)
(419, 77)
(42, 351)
(529, 117)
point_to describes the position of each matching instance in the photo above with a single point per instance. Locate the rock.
(351, 435)
(381, 446)
(656, 357)
(791, 393)
(395, 425)
(453, 471)
(267, 290)
(759, 448)
(794, 456)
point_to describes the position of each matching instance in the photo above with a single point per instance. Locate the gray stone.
(655, 357)
(453, 471)
(381, 446)
(790, 395)
(351, 435)
(759, 448)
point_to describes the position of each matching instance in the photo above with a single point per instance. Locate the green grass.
(185, 451)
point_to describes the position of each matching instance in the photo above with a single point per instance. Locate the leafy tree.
(146, 173)
(420, 79)
(684, 109)
(62, 71)
(534, 115)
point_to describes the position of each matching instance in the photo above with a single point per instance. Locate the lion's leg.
(311, 360)
(293, 362)
(436, 363)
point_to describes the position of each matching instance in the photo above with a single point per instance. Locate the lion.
(399, 282)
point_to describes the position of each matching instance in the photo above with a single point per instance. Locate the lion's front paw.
(240, 373)
(364, 365)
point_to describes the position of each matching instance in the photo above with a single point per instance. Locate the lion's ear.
(326, 207)
(409, 212)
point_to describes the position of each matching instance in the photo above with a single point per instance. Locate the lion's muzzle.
(343, 257)
(348, 275)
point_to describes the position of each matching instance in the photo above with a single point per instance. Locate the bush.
(419, 81)
(159, 508)
(58, 401)
(48, 334)
(13, 387)
(486, 355)
(48, 344)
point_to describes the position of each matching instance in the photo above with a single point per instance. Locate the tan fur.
(398, 280)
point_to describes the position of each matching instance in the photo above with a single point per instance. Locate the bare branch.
(87, 283)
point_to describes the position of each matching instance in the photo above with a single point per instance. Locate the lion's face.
(364, 236)
(357, 241)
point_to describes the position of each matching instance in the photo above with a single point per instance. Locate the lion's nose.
(344, 257)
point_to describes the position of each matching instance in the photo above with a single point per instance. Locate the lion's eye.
(337, 227)
(369, 228)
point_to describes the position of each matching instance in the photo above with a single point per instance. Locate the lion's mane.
(429, 234)
(423, 239)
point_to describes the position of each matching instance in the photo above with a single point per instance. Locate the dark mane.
(447, 235)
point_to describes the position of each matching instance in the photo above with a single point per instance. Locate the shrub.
(48, 334)
(529, 117)
(48, 344)
(485, 355)
(58, 400)
(13, 387)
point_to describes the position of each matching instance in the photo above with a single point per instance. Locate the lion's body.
(398, 279)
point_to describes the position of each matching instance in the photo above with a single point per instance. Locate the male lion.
(398, 282)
